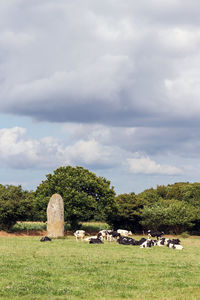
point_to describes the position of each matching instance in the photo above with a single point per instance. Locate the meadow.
(66, 269)
(41, 226)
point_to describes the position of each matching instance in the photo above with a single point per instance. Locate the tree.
(171, 215)
(15, 205)
(127, 213)
(85, 195)
(180, 216)
(153, 216)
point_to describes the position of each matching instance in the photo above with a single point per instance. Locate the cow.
(90, 237)
(104, 234)
(140, 242)
(79, 234)
(113, 235)
(175, 241)
(95, 241)
(126, 241)
(124, 232)
(45, 239)
(153, 233)
(147, 244)
(175, 246)
(98, 236)
(161, 242)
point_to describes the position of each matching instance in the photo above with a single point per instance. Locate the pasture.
(66, 269)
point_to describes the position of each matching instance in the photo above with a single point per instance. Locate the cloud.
(117, 65)
(20, 152)
(120, 77)
(151, 141)
(144, 165)
(90, 153)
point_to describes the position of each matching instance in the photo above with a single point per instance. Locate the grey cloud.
(152, 141)
(102, 62)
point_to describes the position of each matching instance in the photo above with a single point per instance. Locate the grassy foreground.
(66, 269)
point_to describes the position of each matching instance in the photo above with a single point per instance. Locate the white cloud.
(145, 165)
(18, 151)
(90, 152)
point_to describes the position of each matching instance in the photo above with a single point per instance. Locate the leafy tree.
(153, 216)
(15, 205)
(161, 191)
(85, 195)
(127, 213)
(149, 196)
(170, 215)
(180, 216)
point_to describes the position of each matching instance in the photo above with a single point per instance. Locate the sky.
(111, 85)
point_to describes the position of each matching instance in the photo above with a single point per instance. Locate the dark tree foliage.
(85, 195)
(171, 216)
(172, 208)
(15, 205)
(175, 207)
(127, 214)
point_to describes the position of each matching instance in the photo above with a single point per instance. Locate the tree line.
(173, 208)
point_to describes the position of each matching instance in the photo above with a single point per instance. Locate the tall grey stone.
(55, 216)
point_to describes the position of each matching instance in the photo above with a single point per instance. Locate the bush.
(15, 205)
(127, 213)
(185, 235)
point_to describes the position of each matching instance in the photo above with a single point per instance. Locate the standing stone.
(55, 216)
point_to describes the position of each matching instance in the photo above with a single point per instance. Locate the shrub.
(185, 235)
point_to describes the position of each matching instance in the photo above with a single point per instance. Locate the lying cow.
(45, 239)
(140, 242)
(175, 246)
(147, 244)
(98, 236)
(90, 237)
(122, 240)
(95, 241)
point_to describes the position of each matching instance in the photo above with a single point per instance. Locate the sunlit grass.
(66, 269)
(33, 226)
(28, 226)
(94, 226)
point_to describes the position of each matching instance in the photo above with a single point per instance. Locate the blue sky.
(109, 85)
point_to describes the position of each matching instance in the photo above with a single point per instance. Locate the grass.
(66, 269)
(94, 226)
(29, 226)
(41, 226)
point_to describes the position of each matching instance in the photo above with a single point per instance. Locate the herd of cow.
(122, 237)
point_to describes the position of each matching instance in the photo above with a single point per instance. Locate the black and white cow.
(147, 244)
(113, 235)
(122, 240)
(79, 234)
(95, 241)
(45, 239)
(124, 232)
(175, 246)
(153, 233)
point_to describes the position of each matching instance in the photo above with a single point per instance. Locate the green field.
(66, 269)
(28, 227)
